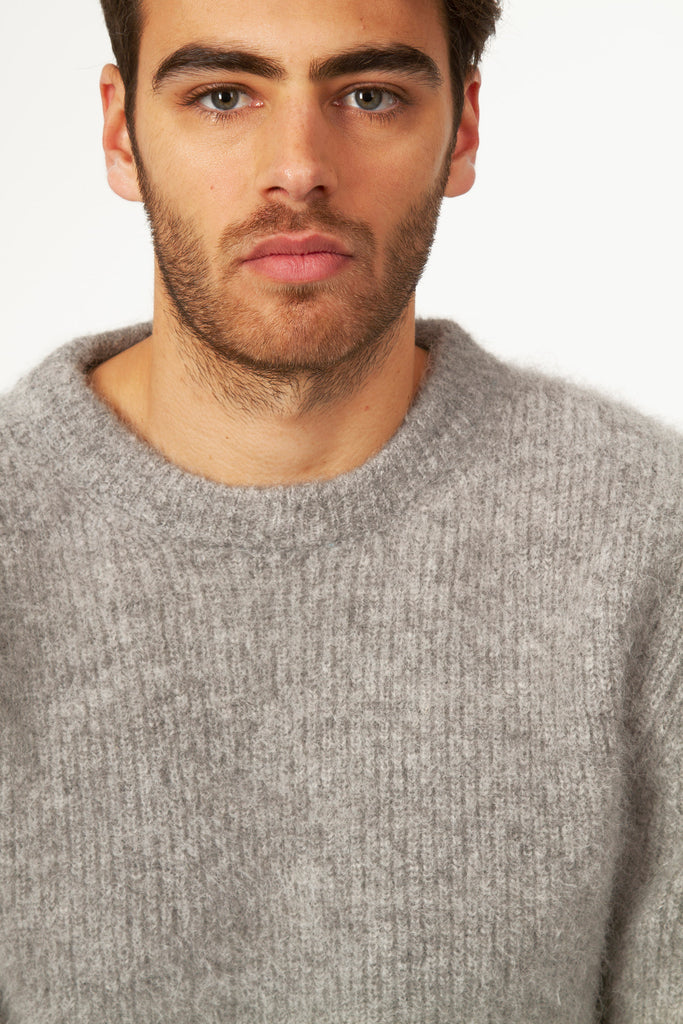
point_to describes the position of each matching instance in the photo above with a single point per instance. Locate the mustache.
(280, 220)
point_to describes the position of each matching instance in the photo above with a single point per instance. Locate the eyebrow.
(190, 59)
(406, 60)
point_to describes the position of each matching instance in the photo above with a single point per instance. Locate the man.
(341, 663)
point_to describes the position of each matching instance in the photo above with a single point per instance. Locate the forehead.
(296, 31)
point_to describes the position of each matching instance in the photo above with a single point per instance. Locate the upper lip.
(287, 245)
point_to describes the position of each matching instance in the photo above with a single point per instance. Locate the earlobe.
(463, 161)
(118, 152)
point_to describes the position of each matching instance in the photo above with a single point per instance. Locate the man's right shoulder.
(40, 413)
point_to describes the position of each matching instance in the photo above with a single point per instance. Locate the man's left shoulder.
(535, 436)
(592, 437)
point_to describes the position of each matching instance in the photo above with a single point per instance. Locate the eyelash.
(381, 116)
(219, 117)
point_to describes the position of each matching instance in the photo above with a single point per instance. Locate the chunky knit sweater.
(402, 747)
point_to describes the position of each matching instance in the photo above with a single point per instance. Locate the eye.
(371, 100)
(224, 99)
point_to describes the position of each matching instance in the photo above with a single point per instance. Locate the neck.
(236, 427)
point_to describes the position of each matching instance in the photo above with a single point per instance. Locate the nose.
(296, 155)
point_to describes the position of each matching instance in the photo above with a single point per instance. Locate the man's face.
(292, 158)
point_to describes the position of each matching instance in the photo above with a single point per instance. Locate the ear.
(462, 174)
(118, 152)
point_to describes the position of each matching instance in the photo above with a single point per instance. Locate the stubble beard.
(308, 345)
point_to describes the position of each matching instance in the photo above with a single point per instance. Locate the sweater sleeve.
(643, 981)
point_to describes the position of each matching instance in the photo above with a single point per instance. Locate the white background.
(566, 256)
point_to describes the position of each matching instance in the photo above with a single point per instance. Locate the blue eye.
(225, 99)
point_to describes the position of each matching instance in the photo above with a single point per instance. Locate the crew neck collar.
(114, 467)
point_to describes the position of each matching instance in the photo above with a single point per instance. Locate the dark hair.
(470, 25)
(124, 25)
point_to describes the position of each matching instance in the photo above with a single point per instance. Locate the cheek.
(209, 194)
(393, 196)
(208, 175)
(396, 177)
(193, 176)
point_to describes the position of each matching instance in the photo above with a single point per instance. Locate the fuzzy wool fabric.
(402, 747)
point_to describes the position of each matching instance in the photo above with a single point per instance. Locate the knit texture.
(402, 747)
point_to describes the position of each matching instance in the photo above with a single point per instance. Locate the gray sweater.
(402, 747)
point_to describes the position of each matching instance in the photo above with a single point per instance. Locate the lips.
(289, 245)
(288, 259)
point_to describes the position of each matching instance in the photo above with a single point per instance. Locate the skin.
(301, 149)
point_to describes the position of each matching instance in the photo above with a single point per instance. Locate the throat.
(244, 427)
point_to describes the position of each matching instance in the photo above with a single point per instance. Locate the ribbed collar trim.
(112, 466)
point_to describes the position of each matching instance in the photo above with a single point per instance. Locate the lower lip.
(299, 268)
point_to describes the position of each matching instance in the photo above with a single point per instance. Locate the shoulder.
(54, 388)
(42, 416)
(629, 461)
(562, 465)
(586, 431)
(554, 426)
